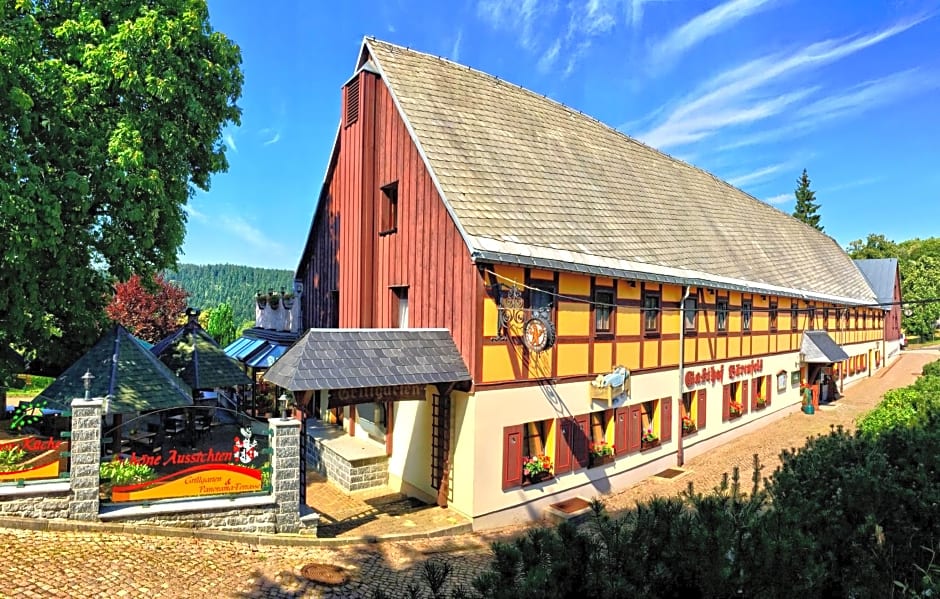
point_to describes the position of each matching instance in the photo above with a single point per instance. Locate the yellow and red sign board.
(43, 458)
(198, 481)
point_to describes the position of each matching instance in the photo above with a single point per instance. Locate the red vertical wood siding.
(427, 253)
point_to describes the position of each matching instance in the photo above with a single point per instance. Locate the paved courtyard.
(73, 564)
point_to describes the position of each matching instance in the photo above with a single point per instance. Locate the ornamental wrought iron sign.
(511, 310)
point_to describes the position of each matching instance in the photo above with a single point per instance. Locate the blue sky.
(750, 90)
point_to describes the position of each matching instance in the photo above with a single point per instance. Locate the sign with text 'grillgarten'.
(176, 458)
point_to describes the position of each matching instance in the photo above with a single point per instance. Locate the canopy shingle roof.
(196, 358)
(356, 358)
(124, 370)
(819, 348)
(533, 182)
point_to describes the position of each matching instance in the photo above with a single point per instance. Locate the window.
(601, 452)
(812, 318)
(690, 312)
(334, 309)
(352, 102)
(648, 433)
(389, 214)
(526, 459)
(722, 315)
(794, 317)
(690, 412)
(370, 417)
(826, 318)
(733, 404)
(603, 311)
(746, 315)
(651, 312)
(542, 300)
(400, 306)
(773, 316)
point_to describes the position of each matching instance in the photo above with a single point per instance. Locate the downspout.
(680, 452)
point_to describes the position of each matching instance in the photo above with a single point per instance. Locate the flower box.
(644, 445)
(760, 403)
(536, 478)
(600, 460)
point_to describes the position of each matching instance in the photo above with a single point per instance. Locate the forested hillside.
(212, 284)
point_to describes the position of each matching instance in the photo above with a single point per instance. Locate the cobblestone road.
(78, 565)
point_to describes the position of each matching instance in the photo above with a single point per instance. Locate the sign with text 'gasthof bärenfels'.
(716, 374)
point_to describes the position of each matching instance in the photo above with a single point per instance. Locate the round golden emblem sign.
(538, 334)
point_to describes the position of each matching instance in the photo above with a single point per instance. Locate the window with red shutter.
(665, 419)
(621, 443)
(563, 445)
(702, 411)
(512, 456)
(634, 428)
(581, 442)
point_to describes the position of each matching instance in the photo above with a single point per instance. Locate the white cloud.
(193, 213)
(230, 142)
(239, 227)
(758, 175)
(851, 102)
(274, 140)
(702, 27)
(547, 61)
(776, 200)
(742, 94)
(635, 11)
(455, 51)
(516, 15)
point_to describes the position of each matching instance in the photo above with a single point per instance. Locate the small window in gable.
(389, 209)
(352, 102)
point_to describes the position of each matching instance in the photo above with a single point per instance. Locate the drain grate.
(671, 473)
(570, 506)
(327, 574)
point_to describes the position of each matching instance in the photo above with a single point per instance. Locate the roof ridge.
(582, 114)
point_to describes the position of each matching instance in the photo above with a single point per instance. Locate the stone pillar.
(285, 472)
(85, 446)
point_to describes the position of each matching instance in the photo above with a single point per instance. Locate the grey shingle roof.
(124, 369)
(819, 348)
(355, 358)
(880, 274)
(196, 358)
(529, 180)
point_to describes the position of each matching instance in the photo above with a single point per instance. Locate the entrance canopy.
(819, 348)
(361, 358)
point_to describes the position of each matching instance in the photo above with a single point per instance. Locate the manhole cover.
(324, 574)
(670, 473)
(570, 506)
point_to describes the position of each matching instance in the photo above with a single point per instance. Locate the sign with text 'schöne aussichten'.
(350, 397)
(215, 468)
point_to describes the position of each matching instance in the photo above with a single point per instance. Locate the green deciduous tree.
(921, 284)
(221, 324)
(874, 246)
(806, 205)
(111, 114)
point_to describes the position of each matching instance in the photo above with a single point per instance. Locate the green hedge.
(908, 406)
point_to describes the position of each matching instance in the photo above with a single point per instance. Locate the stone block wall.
(84, 473)
(253, 520)
(354, 475)
(46, 506)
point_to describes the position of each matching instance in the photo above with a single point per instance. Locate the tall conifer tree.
(806, 204)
